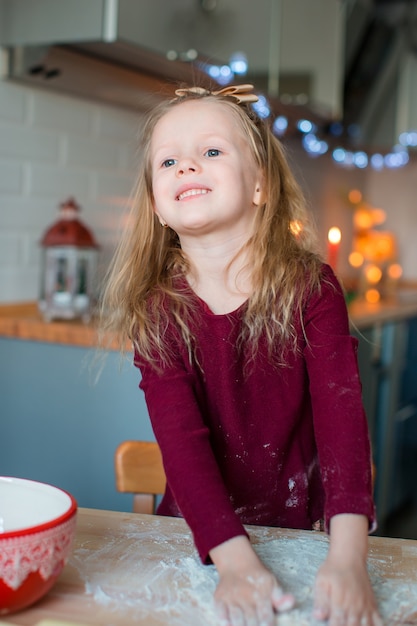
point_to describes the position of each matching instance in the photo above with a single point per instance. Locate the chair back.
(139, 470)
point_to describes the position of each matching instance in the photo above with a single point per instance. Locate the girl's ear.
(259, 195)
(161, 220)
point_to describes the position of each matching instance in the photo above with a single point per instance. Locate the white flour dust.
(178, 589)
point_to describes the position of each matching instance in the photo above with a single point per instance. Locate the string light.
(305, 126)
(262, 107)
(377, 161)
(280, 125)
(314, 146)
(372, 296)
(395, 271)
(356, 259)
(408, 139)
(396, 158)
(373, 274)
(238, 63)
(360, 159)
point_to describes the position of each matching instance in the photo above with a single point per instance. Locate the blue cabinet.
(58, 425)
(388, 367)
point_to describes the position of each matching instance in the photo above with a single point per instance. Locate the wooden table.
(140, 569)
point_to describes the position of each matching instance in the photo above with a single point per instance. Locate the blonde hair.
(142, 294)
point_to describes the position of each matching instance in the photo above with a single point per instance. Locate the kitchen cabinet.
(388, 366)
(61, 426)
(404, 473)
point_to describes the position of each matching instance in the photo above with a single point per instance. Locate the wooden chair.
(139, 470)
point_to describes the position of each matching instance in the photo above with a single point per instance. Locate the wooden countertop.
(128, 568)
(23, 321)
(364, 314)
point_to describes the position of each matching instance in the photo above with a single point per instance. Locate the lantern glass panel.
(67, 289)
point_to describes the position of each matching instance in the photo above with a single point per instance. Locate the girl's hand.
(248, 594)
(344, 596)
(343, 591)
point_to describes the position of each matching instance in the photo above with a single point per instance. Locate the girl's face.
(204, 177)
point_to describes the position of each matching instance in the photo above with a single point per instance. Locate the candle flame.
(334, 235)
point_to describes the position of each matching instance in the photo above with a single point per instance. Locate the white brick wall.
(52, 147)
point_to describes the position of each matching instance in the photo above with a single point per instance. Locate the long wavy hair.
(142, 295)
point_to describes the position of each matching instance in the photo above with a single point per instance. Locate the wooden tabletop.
(142, 569)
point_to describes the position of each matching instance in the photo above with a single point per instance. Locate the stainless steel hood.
(107, 50)
(130, 52)
(79, 71)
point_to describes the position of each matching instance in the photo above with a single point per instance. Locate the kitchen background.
(55, 424)
(53, 146)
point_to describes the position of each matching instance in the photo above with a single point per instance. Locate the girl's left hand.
(343, 594)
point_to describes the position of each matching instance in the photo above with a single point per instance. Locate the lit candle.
(334, 236)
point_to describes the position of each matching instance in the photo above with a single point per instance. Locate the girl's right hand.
(248, 594)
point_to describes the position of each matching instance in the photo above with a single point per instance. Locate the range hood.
(131, 52)
(106, 50)
(79, 71)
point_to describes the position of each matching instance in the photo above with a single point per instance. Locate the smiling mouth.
(192, 192)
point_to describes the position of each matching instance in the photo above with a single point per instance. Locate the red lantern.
(68, 267)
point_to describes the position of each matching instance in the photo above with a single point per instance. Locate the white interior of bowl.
(26, 503)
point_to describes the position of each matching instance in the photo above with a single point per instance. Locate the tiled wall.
(52, 147)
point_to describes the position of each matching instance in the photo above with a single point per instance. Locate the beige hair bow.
(241, 93)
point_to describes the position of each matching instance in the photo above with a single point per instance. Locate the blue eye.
(213, 152)
(168, 163)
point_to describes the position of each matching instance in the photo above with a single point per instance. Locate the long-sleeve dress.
(254, 442)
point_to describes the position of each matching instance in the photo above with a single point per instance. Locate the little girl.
(242, 338)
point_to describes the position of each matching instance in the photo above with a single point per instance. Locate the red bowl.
(37, 528)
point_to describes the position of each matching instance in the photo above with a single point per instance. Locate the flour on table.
(179, 589)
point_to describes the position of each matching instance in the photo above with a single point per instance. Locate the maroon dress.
(250, 442)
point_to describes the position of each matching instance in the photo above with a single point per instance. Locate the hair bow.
(241, 93)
